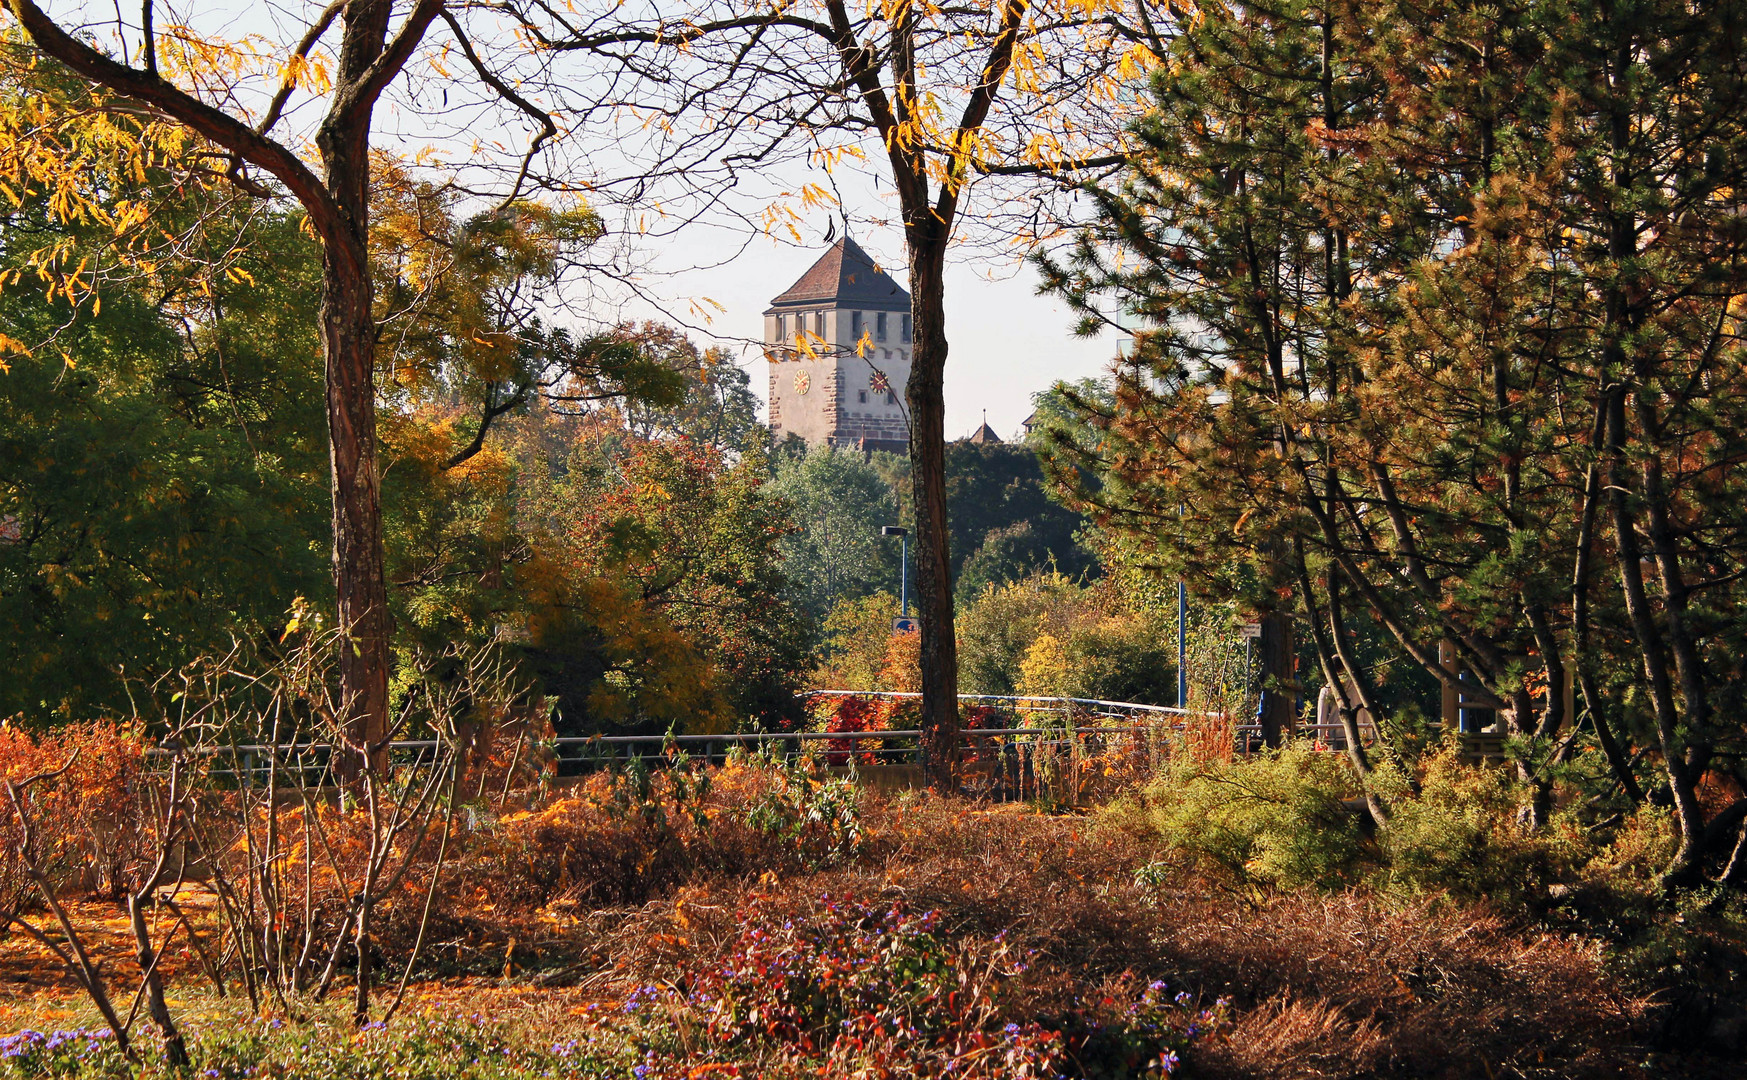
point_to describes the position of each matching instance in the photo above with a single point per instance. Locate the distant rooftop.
(844, 277)
(985, 435)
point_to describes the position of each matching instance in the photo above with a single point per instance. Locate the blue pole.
(1182, 645)
(904, 575)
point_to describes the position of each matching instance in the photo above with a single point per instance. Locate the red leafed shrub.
(86, 818)
(851, 988)
(850, 714)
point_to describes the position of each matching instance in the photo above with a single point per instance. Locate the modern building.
(838, 342)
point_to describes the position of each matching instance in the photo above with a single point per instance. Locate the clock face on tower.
(803, 382)
(879, 383)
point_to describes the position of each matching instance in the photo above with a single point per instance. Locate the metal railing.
(1078, 729)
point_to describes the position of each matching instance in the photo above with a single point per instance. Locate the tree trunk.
(1279, 704)
(1339, 678)
(175, 1051)
(349, 341)
(348, 337)
(1683, 869)
(927, 401)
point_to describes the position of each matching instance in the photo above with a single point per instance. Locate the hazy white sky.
(1007, 342)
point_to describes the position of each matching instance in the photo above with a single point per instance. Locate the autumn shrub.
(843, 714)
(86, 818)
(853, 987)
(1339, 983)
(817, 820)
(1463, 834)
(1279, 819)
(626, 837)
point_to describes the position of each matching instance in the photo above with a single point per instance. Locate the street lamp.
(903, 536)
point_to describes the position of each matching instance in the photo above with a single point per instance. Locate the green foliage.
(715, 407)
(1048, 635)
(660, 602)
(996, 630)
(1462, 833)
(1004, 524)
(856, 643)
(1276, 820)
(819, 818)
(1350, 247)
(839, 503)
(157, 490)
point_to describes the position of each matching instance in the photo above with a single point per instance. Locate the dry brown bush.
(93, 808)
(1341, 985)
(620, 882)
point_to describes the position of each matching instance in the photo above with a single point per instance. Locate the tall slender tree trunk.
(349, 341)
(927, 401)
(348, 333)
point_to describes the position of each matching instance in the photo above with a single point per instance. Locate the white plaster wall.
(814, 415)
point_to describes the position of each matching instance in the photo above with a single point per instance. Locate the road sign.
(1250, 629)
(905, 626)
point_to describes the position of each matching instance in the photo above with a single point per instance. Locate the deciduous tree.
(942, 96)
(225, 98)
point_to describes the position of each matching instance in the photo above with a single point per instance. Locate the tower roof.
(844, 277)
(985, 435)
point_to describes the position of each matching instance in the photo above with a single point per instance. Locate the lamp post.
(1182, 645)
(903, 536)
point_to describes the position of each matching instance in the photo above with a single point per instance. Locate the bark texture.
(927, 402)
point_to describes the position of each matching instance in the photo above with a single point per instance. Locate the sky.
(1007, 343)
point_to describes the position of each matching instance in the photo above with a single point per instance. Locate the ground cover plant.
(769, 919)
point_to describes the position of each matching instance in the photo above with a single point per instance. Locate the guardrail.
(1018, 753)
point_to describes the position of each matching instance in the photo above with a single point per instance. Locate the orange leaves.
(85, 817)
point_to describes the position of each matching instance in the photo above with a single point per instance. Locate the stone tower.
(838, 342)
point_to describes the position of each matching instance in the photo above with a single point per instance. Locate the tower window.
(861, 396)
(880, 328)
(891, 397)
(855, 325)
(819, 323)
(782, 327)
(906, 328)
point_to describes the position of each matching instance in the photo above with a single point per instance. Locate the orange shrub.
(87, 818)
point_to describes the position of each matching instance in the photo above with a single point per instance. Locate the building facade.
(838, 342)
